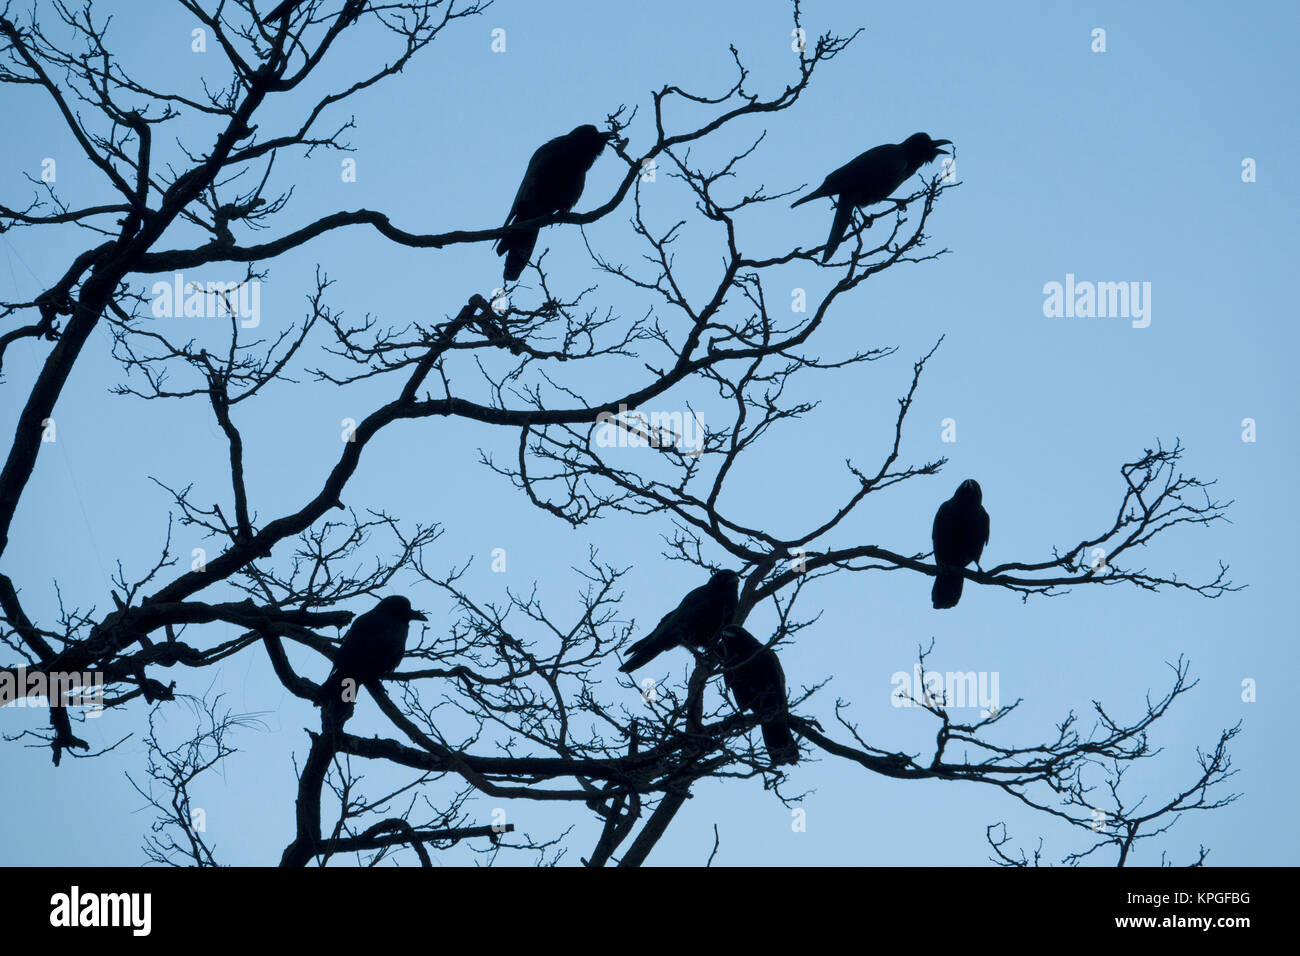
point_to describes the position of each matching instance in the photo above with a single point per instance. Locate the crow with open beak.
(872, 178)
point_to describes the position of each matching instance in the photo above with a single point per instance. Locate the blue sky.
(1115, 166)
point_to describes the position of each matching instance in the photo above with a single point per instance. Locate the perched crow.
(694, 622)
(373, 648)
(872, 178)
(552, 184)
(961, 529)
(754, 677)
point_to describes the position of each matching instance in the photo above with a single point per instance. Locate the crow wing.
(373, 647)
(753, 673)
(873, 176)
(525, 204)
(694, 623)
(959, 535)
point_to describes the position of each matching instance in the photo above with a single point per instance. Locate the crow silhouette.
(552, 184)
(961, 529)
(754, 677)
(872, 178)
(373, 647)
(692, 623)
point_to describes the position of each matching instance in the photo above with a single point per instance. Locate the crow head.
(733, 642)
(589, 141)
(725, 579)
(921, 149)
(969, 490)
(399, 609)
(735, 635)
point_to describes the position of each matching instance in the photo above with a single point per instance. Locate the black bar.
(241, 904)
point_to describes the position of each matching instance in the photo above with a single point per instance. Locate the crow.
(754, 677)
(692, 623)
(871, 178)
(372, 649)
(552, 184)
(961, 529)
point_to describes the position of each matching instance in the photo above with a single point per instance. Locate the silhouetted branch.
(507, 698)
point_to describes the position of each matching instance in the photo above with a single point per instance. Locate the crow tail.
(517, 249)
(780, 743)
(947, 589)
(645, 650)
(639, 658)
(843, 214)
(335, 710)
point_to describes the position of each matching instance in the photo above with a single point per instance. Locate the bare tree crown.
(539, 711)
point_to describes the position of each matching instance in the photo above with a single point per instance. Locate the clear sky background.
(1116, 166)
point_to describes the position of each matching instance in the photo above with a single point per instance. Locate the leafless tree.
(507, 702)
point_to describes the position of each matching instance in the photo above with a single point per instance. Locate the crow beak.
(417, 616)
(942, 142)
